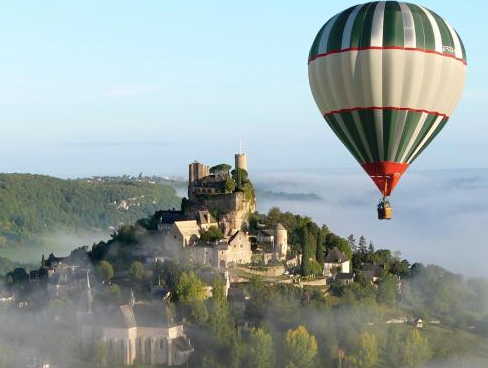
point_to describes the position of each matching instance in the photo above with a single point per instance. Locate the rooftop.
(335, 256)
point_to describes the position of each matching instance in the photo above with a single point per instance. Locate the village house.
(336, 262)
(344, 278)
(227, 252)
(182, 234)
(372, 272)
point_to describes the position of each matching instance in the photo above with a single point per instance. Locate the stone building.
(280, 242)
(65, 280)
(206, 220)
(181, 234)
(207, 191)
(278, 238)
(144, 332)
(227, 252)
(336, 262)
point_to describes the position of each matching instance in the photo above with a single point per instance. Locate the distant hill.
(34, 204)
(264, 194)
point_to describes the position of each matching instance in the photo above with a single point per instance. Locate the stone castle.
(218, 197)
(207, 191)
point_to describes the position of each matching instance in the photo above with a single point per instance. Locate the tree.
(416, 350)
(136, 271)
(212, 234)
(230, 185)
(105, 271)
(261, 349)
(111, 294)
(387, 290)
(308, 235)
(301, 348)
(352, 242)
(220, 318)
(199, 311)
(240, 177)
(394, 346)
(321, 241)
(220, 168)
(98, 354)
(371, 248)
(362, 245)
(190, 288)
(342, 244)
(7, 357)
(367, 355)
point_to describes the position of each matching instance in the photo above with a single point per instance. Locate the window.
(161, 344)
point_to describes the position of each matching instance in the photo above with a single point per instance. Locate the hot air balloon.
(386, 76)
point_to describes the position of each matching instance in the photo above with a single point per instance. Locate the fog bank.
(439, 216)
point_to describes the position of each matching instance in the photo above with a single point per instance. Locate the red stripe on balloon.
(386, 48)
(385, 108)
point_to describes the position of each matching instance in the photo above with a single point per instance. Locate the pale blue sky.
(112, 87)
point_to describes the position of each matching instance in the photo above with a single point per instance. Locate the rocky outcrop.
(232, 209)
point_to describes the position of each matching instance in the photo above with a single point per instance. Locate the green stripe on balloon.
(419, 29)
(357, 28)
(429, 121)
(334, 125)
(411, 122)
(354, 134)
(393, 32)
(436, 132)
(365, 40)
(335, 38)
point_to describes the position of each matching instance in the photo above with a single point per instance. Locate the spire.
(132, 298)
(89, 295)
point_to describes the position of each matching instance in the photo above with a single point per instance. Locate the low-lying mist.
(439, 216)
(60, 242)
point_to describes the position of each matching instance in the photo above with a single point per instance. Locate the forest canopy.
(33, 204)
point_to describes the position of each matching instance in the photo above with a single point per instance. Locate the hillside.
(34, 204)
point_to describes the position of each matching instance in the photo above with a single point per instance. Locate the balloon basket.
(385, 213)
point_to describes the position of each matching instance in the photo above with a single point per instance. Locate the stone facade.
(140, 331)
(241, 161)
(229, 252)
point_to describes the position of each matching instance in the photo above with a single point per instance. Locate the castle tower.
(196, 171)
(280, 241)
(241, 161)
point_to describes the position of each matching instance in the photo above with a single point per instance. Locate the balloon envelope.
(386, 76)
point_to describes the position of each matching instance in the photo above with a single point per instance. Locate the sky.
(112, 87)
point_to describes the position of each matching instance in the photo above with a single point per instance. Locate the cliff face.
(232, 209)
